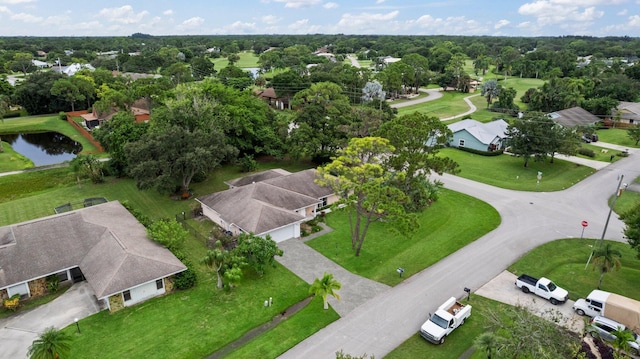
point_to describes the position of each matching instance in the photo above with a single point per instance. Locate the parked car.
(542, 287)
(586, 139)
(450, 315)
(604, 327)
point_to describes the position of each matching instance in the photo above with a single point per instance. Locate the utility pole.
(606, 224)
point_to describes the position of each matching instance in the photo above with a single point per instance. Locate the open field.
(448, 225)
(508, 171)
(11, 160)
(617, 136)
(450, 104)
(247, 59)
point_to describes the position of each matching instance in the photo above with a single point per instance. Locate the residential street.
(528, 220)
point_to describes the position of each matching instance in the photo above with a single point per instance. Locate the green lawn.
(450, 104)
(617, 136)
(247, 59)
(452, 222)
(626, 201)
(600, 156)
(458, 342)
(11, 160)
(563, 261)
(508, 171)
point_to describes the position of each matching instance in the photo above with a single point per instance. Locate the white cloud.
(562, 12)
(622, 12)
(379, 1)
(634, 21)
(15, 2)
(365, 20)
(501, 23)
(28, 18)
(296, 4)
(190, 24)
(270, 19)
(123, 14)
(240, 27)
(4, 9)
(303, 27)
(330, 5)
(57, 20)
(167, 12)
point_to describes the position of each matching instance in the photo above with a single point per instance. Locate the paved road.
(434, 94)
(528, 220)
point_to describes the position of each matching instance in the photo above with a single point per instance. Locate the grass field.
(564, 262)
(617, 136)
(450, 104)
(449, 224)
(507, 171)
(247, 59)
(11, 160)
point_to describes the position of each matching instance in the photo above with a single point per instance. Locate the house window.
(460, 143)
(159, 284)
(63, 276)
(127, 295)
(324, 203)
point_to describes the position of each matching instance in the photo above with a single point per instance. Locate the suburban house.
(273, 202)
(479, 136)
(629, 112)
(94, 118)
(574, 116)
(72, 69)
(103, 244)
(269, 96)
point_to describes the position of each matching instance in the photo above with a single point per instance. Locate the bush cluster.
(587, 152)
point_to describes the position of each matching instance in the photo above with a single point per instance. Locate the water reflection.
(43, 148)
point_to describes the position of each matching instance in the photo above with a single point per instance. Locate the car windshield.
(442, 323)
(552, 287)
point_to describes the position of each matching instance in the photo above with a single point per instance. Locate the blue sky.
(390, 17)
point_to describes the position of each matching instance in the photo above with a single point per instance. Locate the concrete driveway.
(502, 288)
(19, 331)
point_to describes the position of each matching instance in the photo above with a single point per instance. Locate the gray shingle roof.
(629, 110)
(267, 200)
(485, 132)
(108, 244)
(574, 116)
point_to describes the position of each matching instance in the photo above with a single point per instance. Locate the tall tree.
(320, 125)
(202, 67)
(169, 233)
(67, 90)
(361, 177)
(490, 89)
(606, 259)
(34, 93)
(22, 62)
(417, 139)
(185, 138)
(114, 134)
(325, 286)
(530, 136)
(51, 344)
(226, 263)
(634, 133)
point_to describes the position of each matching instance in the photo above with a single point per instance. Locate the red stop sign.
(585, 223)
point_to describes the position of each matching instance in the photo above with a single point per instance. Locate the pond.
(43, 148)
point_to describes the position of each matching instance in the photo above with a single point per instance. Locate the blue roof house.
(479, 136)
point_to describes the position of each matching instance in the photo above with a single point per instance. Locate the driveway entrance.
(19, 331)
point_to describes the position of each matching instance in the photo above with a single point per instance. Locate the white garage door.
(284, 233)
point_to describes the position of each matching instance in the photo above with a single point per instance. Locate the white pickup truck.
(448, 317)
(542, 287)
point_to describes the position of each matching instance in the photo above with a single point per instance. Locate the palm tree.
(621, 341)
(325, 286)
(486, 342)
(51, 344)
(606, 259)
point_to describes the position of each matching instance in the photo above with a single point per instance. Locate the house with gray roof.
(479, 136)
(103, 244)
(273, 203)
(629, 112)
(574, 116)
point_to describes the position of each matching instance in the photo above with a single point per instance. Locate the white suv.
(604, 328)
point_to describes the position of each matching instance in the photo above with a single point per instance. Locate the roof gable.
(486, 133)
(574, 116)
(98, 239)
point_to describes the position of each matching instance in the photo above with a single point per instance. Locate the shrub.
(247, 163)
(53, 283)
(586, 152)
(188, 278)
(62, 116)
(12, 303)
(482, 153)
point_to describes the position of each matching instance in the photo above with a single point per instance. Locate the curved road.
(529, 219)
